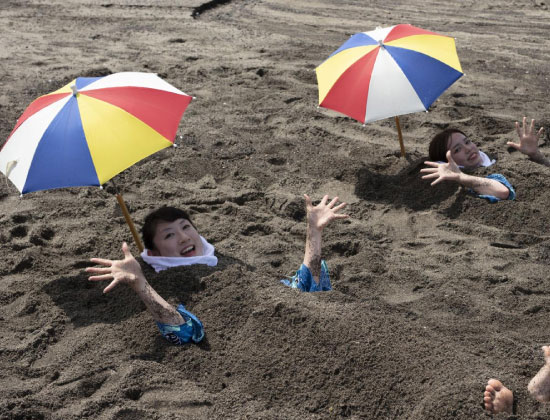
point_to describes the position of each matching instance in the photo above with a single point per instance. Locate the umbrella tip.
(74, 89)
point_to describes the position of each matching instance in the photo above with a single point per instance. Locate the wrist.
(139, 285)
(536, 155)
(463, 178)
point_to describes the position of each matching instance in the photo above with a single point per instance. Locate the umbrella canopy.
(388, 72)
(90, 130)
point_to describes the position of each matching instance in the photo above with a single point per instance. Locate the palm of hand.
(126, 270)
(319, 216)
(323, 213)
(448, 171)
(528, 144)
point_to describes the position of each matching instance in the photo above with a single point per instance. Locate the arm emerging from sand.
(449, 171)
(529, 142)
(128, 271)
(317, 218)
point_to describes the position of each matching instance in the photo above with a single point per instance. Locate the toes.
(495, 384)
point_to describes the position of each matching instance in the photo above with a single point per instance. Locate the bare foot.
(498, 398)
(539, 387)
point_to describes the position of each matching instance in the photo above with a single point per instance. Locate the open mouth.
(188, 251)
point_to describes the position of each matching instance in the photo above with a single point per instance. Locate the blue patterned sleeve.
(491, 198)
(303, 280)
(191, 330)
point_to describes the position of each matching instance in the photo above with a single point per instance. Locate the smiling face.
(177, 239)
(464, 151)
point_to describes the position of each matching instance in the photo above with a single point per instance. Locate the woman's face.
(463, 151)
(177, 239)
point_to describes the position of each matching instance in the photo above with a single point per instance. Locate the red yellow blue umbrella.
(388, 72)
(90, 130)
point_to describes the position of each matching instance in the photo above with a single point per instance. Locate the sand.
(435, 291)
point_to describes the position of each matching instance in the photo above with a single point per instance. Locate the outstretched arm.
(529, 142)
(317, 218)
(450, 172)
(129, 272)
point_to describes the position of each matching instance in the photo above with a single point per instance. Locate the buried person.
(451, 151)
(499, 399)
(172, 240)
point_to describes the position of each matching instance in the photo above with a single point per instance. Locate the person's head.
(168, 232)
(463, 151)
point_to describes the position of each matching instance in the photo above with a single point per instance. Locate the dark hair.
(439, 144)
(164, 214)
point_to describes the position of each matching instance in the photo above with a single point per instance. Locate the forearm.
(160, 310)
(312, 255)
(538, 157)
(484, 186)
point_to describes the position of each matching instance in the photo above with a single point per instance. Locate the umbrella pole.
(128, 219)
(400, 137)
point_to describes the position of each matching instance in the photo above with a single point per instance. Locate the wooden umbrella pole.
(400, 137)
(128, 219)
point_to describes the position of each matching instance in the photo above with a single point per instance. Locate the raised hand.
(442, 171)
(127, 271)
(323, 213)
(528, 138)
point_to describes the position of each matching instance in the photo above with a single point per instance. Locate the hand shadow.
(405, 188)
(84, 302)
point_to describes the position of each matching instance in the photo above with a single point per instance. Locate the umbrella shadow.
(405, 189)
(85, 303)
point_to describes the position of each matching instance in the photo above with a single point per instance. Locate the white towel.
(162, 263)
(485, 160)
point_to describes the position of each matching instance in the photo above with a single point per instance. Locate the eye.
(168, 235)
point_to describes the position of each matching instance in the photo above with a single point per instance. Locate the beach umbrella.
(388, 72)
(90, 130)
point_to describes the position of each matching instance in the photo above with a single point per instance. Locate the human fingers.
(546, 352)
(514, 145)
(101, 261)
(532, 127)
(332, 202)
(429, 170)
(98, 270)
(539, 133)
(341, 216)
(434, 164)
(324, 200)
(111, 286)
(126, 250)
(339, 206)
(308, 201)
(437, 181)
(431, 176)
(450, 159)
(518, 129)
(524, 124)
(101, 278)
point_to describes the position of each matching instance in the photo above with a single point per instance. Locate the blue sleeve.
(491, 198)
(191, 330)
(304, 281)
